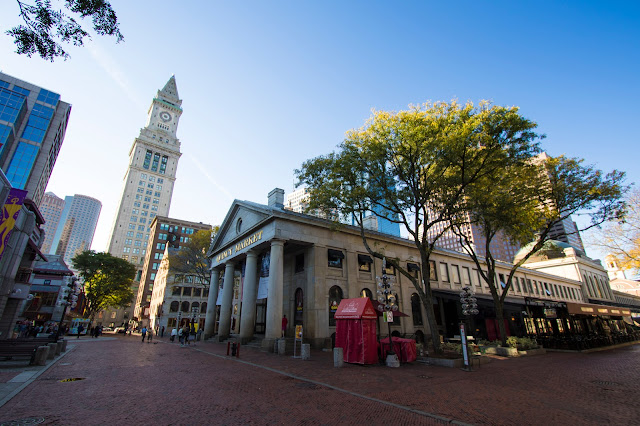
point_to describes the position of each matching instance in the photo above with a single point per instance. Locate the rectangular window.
(335, 258)
(152, 276)
(186, 291)
(529, 286)
(132, 226)
(433, 274)
(364, 262)
(455, 272)
(154, 266)
(466, 276)
(197, 292)
(444, 272)
(389, 270)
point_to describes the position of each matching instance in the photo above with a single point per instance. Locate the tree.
(524, 201)
(413, 167)
(621, 238)
(46, 27)
(106, 279)
(191, 258)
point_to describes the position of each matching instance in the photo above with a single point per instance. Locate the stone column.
(227, 295)
(210, 319)
(276, 284)
(249, 293)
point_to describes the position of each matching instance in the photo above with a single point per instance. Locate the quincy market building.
(268, 262)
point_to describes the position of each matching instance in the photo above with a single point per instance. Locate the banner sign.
(10, 213)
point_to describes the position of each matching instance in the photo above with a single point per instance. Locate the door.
(261, 316)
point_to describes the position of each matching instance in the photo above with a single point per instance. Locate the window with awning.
(335, 258)
(364, 262)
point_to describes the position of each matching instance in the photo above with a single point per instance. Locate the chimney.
(276, 198)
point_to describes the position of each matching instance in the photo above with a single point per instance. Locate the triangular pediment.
(242, 217)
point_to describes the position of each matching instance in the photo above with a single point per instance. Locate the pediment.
(241, 219)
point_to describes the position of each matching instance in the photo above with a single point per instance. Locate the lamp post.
(388, 304)
(469, 307)
(71, 299)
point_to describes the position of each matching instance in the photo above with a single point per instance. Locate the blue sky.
(267, 85)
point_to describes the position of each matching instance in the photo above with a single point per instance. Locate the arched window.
(185, 306)
(335, 296)
(196, 305)
(174, 306)
(416, 312)
(366, 293)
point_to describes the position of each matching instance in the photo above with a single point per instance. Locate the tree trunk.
(501, 327)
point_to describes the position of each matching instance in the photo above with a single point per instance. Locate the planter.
(530, 352)
(452, 363)
(498, 350)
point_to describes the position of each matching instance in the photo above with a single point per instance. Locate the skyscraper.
(33, 122)
(76, 227)
(51, 208)
(150, 177)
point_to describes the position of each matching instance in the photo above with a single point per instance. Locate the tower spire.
(169, 92)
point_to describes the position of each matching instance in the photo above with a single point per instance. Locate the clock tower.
(150, 177)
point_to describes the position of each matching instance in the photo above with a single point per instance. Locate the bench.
(13, 349)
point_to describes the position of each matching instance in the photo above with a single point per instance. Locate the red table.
(404, 348)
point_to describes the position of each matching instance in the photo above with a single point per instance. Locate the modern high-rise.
(165, 232)
(76, 227)
(150, 177)
(51, 208)
(33, 122)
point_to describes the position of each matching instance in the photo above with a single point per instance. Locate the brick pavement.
(126, 382)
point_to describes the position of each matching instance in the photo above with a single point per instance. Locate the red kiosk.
(356, 322)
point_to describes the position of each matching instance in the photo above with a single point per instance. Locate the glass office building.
(33, 122)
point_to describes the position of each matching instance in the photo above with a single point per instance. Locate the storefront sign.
(240, 246)
(550, 313)
(298, 332)
(388, 316)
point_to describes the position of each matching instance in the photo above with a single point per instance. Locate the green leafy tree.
(413, 167)
(46, 26)
(523, 201)
(191, 258)
(106, 279)
(621, 238)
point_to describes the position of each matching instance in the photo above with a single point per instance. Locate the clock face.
(165, 116)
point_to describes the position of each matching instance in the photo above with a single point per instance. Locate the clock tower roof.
(169, 93)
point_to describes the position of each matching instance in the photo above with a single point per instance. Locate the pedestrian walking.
(174, 333)
(80, 330)
(285, 321)
(162, 332)
(185, 334)
(144, 333)
(149, 335)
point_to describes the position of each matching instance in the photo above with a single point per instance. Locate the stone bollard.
(58, 347)
(64, 345)
(52, 350)
(282, 346)
(306, 351)
(338, 357)
(42, 353)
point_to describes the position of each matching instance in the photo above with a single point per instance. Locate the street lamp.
(389, 305)
(469, 307)
(71, 299)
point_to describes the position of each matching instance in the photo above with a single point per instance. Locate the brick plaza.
(125, 382)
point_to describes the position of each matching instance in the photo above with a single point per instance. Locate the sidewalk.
(16, 375)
